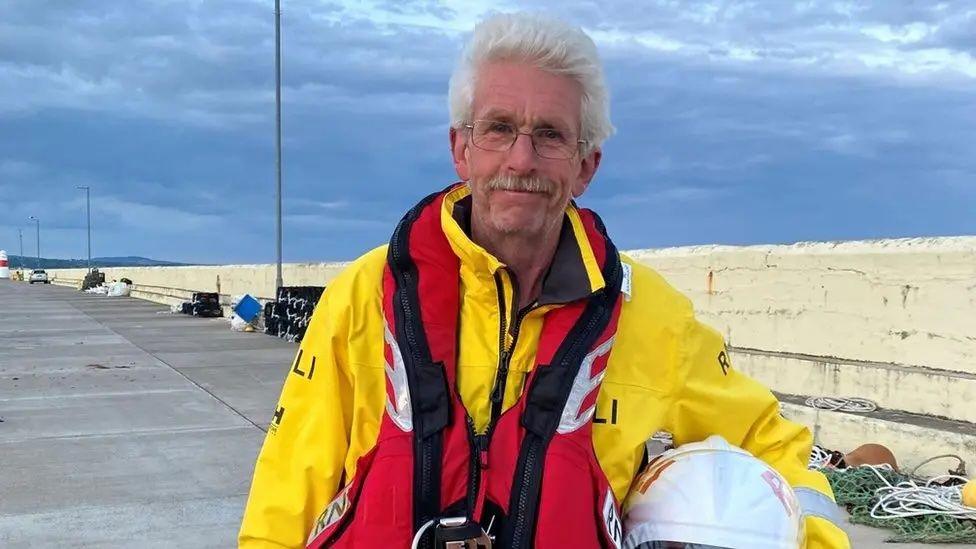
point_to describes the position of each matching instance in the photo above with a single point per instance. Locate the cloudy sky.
(737, 122)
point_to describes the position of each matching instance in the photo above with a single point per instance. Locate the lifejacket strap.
(425, 378)
(545, 403)
(432, 399)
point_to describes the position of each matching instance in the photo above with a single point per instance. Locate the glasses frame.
(470, 128)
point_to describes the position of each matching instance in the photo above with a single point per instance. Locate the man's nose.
(521, 158)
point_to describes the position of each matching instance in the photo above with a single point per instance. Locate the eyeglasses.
(551, 143)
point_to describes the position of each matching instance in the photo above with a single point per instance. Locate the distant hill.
(28, 262)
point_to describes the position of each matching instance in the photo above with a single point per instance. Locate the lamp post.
(278, 281)
(87, 190)
(20, 233)
(38, 221)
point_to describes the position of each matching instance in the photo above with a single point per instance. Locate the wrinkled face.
(517, 191)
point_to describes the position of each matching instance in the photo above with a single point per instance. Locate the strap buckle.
(460, 533)
(456, 533)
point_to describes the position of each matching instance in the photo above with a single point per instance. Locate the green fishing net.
(856, 489)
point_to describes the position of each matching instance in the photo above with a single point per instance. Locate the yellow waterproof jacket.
(667, 372)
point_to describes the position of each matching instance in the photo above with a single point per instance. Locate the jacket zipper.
(505, 352)
(480, 442)
(478, 462)
(525, 510)
(532, 460)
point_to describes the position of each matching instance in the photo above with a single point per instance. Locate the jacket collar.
(573, 274)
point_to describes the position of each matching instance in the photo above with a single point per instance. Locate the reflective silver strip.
(573, 417)
(399, 408)
(817, 504)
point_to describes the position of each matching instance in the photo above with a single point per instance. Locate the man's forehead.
(526, 94)
(535, 119)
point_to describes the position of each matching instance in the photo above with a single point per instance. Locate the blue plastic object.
(247, 308)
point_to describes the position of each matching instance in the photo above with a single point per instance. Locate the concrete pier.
(123, 425)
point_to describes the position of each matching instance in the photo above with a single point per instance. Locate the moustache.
(520, 184)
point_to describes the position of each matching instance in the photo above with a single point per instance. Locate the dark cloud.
(738, 122)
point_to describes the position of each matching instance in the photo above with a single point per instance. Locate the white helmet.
(711, 494)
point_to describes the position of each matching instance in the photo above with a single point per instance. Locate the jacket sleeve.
(300, 466)
(713, 398)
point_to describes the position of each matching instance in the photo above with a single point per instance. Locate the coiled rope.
(842, 404)
(909, 498)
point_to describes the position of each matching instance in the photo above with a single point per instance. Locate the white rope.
(664, 437)
(842, 404)
(420, 533)
(959, 471)
(819, 458)
(911, 499)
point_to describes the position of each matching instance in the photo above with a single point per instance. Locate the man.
(499, 361)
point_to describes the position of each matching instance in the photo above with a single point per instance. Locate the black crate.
(206, 297)
(289, 315)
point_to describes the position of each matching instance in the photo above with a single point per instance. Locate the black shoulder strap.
(429, 396)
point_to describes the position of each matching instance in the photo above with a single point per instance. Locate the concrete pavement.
(124, 425)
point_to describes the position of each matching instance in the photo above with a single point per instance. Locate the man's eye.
(499, 127)
(550, 134)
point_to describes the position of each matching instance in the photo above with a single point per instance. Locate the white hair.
(547, 43)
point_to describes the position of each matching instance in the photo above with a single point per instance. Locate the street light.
(38, 221)
(87, 190)
(20, 233)
(278, 281)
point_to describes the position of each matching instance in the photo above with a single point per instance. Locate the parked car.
(39, 275)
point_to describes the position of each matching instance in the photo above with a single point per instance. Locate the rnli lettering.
(331, 515)
(298, 360)
(613, 414)
(611, 519)
(296, 369)
(723, 361)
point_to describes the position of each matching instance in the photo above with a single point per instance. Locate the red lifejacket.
(533, 476)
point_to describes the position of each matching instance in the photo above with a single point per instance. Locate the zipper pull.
(496, 391)
(481, 441)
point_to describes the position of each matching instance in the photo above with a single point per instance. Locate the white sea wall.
(891, 320)
(906, 301)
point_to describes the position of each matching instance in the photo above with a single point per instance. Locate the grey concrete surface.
(122, 425)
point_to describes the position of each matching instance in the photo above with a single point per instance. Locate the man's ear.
(459, 152)
(587, 170)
